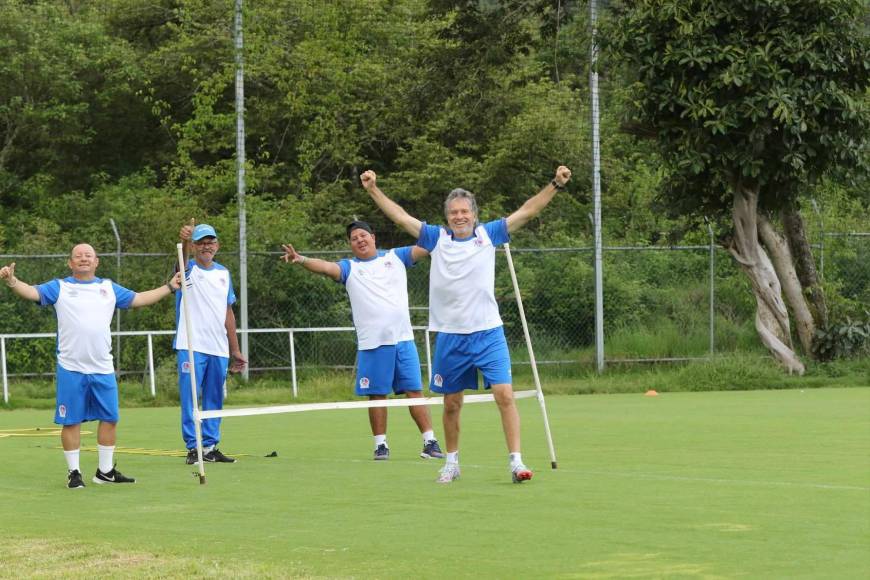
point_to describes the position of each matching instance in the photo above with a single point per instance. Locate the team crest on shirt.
(388, 264)
(104, 293)
(223, 282)
(185, 367)
(61, 410)
(364, 383)
(438, 380)
(478, 242)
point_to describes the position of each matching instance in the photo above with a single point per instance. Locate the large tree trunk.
(805, 265)
(791, 287)
(771, 316)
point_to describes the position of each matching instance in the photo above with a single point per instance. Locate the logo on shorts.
(185, 367)
(364, 383)
(61, 410)
(438, 380)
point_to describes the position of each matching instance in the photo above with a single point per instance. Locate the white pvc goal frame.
(199, 416)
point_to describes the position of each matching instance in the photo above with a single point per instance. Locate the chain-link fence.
(660, 304)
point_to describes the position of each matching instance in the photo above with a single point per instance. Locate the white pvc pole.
(197, 420)
(540, 392)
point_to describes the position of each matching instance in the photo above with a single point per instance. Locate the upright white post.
(197, 420)
(540, 392)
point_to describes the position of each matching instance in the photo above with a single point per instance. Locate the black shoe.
(215, 456)
(74, 479)
(382, 453)
(191, 457)
(113, 476)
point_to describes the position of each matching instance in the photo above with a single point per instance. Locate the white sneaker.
(520, 473)
(448, 473)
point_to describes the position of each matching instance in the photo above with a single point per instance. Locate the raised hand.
(291, 255)
(8, 273)
(186, 231)
(368, 179)
(563, 174)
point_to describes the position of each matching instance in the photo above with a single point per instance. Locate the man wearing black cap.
(387, 360)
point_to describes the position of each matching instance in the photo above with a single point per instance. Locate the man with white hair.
(463, 310)
(86, 386)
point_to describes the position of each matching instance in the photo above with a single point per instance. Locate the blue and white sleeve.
(344, 265)
(231, 293)
(497, 231)
(49, 292)
(428, 236)
(123, 296)
(405, 255)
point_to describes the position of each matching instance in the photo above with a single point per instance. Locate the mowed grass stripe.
(763, 484)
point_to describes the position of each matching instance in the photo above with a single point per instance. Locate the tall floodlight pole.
(596, 189)
(240, 181)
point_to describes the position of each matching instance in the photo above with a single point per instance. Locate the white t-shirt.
(462, 277)
(84, 316)
(378, 291)
(209, 292)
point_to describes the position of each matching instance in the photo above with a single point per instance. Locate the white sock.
(453, 457)
(428, 436)
(381, 440)
(516, 459)
(105, 453)
(72, 460)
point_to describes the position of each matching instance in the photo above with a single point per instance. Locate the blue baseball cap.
(203, 231)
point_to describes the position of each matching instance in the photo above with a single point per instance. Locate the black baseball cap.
(359, 225)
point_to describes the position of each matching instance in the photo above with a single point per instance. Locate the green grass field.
(759, 484)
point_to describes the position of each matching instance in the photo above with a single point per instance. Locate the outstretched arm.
(539, 201)
(392, 210)
(149, 297)
(331, 269)
(24, 290)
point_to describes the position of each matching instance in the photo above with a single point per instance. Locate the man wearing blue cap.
(210, 299)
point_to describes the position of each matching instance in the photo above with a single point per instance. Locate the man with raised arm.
(210, 298)
(387, 360)
(85, 377)
(463, 310)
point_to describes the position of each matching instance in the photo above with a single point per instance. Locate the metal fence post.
(117, 310)
(293, 363)
(712, 291)
(3, 364)
(151, 365)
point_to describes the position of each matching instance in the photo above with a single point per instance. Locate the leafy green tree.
(749, 101)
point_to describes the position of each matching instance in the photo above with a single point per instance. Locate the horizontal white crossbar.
(352, 405)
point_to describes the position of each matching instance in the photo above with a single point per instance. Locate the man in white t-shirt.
(463, 310)
(86, 385)
(210, 299)
(387, 360)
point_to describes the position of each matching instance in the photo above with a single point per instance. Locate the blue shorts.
(388, 369)
(82, 397)
(458, 357)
